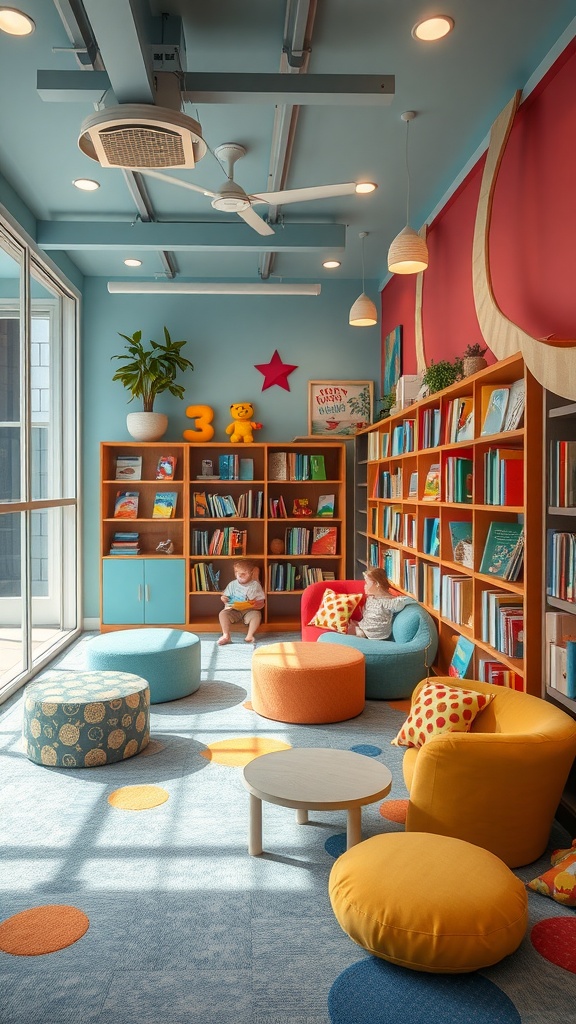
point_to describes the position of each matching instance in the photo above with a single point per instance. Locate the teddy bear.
(241, 428)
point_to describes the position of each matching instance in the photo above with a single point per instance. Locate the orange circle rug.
(237, 752)
(394, 810)
(138, 798)
(42, 930)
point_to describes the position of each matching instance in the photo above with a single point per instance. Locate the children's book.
(465, 422)
(495, 410)
(166, 467)
(199, 505)
(461, 539)
(324, 540)
(301, 507)
(126, 505)
(317, 467)
(325, 505)
(129, 467)
(432, 484)
(246, 469)
(165, 505)
(461, 658)
(515, 406)
(500, 547)
(413, 486)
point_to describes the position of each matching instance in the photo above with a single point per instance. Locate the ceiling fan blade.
(255, 221)
(175, 181)
(301, 195)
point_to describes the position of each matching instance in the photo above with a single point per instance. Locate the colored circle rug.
(400, 705)
(368, 749)
(42, 930)
(555, 940)
(336, 845)
(138, 798)
(394, 810)
(376, 992)
(248, 705)
(153, 747)
(240, 750)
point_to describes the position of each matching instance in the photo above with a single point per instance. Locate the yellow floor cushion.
(429, 902)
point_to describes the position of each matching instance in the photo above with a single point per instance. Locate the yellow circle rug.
(248, 705)
(138, 798)
(394, 810)
(42, 930)
(240, 750)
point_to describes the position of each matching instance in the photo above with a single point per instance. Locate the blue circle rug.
(376, 992)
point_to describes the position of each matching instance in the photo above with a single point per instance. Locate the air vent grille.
(142, 135)
(142, 146)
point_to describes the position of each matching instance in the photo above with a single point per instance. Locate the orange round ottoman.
(307, 683)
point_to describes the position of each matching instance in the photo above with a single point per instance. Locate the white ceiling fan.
(231, 197)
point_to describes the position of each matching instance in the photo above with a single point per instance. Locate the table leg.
(301, 816)
(255, 835)
(353, 827)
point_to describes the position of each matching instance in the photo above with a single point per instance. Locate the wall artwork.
(391, 360)
(339, 407)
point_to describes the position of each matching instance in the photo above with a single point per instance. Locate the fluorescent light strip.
(209, 288)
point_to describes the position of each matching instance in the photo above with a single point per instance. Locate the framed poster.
(391, 360)
(339, 407)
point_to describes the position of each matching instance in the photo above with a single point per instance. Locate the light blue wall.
(226, 336)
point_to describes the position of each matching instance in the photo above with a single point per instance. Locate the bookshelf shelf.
(468, 471)
(200, 607)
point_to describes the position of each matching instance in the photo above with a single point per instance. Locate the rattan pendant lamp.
(408, 253)
(363, 313)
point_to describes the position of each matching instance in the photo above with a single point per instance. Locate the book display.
(196, 508)
(457, 521)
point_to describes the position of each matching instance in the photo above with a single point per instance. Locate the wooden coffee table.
(314, 778)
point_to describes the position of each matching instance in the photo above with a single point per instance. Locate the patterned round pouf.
(169, 659)
(85, 719)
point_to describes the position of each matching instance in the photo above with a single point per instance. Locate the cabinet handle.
(139, 591)
(147, 592)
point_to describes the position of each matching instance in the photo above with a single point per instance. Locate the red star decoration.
(275, 372)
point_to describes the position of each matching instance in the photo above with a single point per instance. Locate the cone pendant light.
(408, 253)
(363, 313)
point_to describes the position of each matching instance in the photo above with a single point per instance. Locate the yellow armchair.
(499, 785)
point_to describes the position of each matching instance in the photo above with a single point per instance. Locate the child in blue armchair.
(379, 607)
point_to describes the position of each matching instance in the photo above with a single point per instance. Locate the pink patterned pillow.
(440, 708)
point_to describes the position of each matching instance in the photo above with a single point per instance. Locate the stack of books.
(125, 544)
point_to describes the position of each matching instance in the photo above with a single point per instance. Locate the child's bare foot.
(224, 639)
(249, 640)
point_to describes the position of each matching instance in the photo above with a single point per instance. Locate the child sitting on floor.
(379, 607)
(243, 598)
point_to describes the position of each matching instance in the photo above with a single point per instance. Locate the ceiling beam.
(187, 237)
(209, 87)
(123, 31)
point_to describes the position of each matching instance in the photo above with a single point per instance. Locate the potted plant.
(473, 359)
(387, 402)
(441, 374)
(146, 373)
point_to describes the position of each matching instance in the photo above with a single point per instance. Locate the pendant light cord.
(362, 250)
(407, 177)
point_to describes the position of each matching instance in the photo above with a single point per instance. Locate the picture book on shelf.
(301, 507)
(317, 467)
(432, 484)
(495, 410)
(324, 540)
(128, 467)
(126, 505)
(166, 467)
(199, 505)
(515, 406)
(500, 548)
(164, 505)
(461, 540)
(461, 658)
(325, 505)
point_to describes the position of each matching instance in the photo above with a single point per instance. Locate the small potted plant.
(473, 359)
(387, 402)
(146, 373)
(441, 374)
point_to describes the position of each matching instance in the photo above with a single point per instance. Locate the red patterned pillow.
(559, 882)
(335, 611)
(440, 708)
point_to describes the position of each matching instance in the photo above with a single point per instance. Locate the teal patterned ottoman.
(85, 719)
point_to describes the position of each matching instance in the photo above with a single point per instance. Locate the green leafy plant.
(148, 372)
(386, 403)
(442, 374)
(474, 350)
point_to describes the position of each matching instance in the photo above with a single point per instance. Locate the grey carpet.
(185, 927)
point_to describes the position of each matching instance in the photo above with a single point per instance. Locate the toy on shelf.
(241, 428)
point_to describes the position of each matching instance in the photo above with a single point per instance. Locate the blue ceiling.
(457, 86)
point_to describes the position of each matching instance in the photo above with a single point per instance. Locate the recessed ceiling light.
(15, 23)
(86, 184)
(331, 264)
(133, 263)
(430, 29)
(365, 186)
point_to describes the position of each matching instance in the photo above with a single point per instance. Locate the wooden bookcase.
(200, 607)
(408, 553)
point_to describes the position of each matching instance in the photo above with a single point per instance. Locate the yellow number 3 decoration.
(202, 416)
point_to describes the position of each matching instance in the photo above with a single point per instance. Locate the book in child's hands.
(126, 505)
(129, 467)
(324, 540)
(325, 505)
(165, 505)
(166, 467)
(461, 658)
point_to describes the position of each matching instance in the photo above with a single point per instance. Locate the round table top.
(317, 778)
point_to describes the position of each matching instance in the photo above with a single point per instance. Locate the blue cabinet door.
(164, 591)
(123, 592)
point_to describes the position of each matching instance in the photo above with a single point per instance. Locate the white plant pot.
(147, 426)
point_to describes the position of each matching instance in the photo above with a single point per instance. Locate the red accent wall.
(532, 237)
